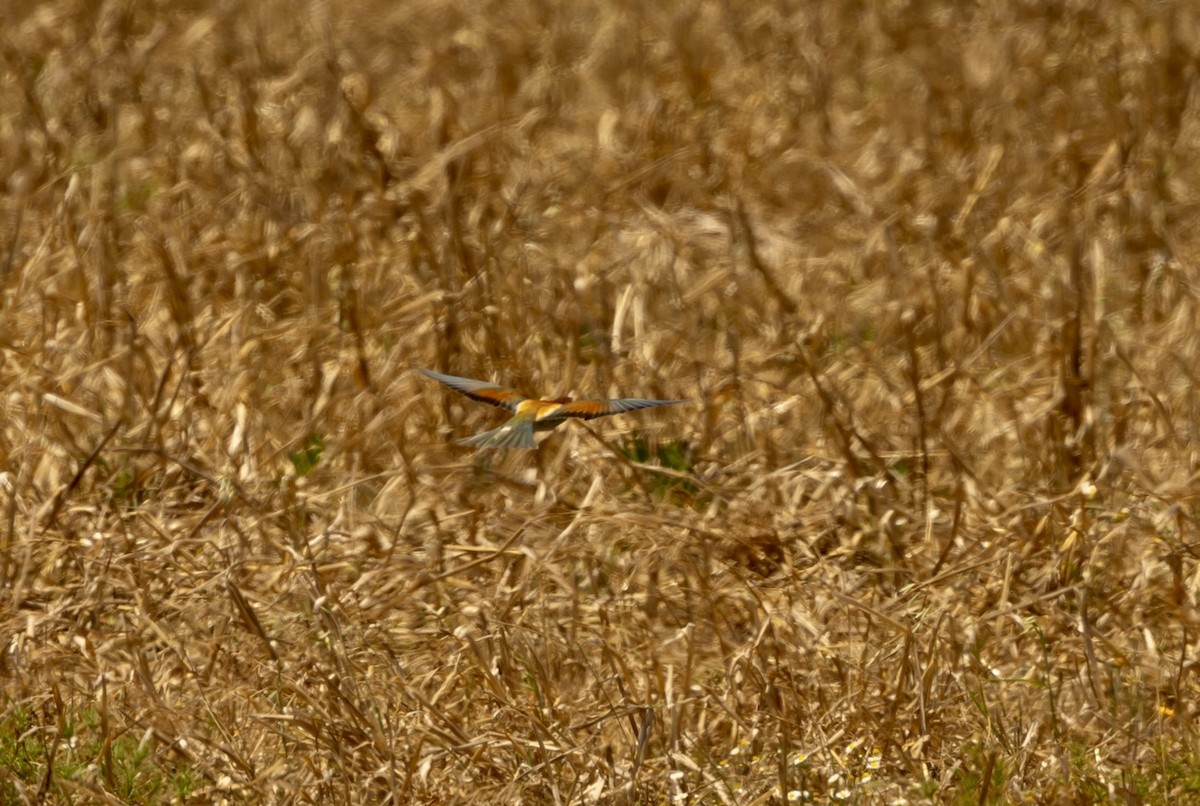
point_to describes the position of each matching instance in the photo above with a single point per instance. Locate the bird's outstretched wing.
(591, 409)
(482, 391)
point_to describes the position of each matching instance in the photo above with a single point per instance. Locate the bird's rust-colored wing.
(482, 391)
(590, 409)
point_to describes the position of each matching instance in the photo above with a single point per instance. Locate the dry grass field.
(926, 531)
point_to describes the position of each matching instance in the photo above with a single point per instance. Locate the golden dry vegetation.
(925, 270)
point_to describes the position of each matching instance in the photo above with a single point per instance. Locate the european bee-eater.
(532, 414)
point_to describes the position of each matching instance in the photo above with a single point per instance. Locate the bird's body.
(532, 415)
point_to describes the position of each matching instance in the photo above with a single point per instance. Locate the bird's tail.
(515, 433)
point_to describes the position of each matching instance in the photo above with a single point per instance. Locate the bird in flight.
(533, 414)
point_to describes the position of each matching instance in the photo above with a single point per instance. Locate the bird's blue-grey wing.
(482, 391)
(590, 409)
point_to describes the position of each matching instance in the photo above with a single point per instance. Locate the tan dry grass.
(927, 271)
